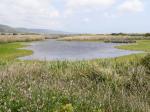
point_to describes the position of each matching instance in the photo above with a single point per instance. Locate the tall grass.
(20, 38)
(102, 38)
(86, 86)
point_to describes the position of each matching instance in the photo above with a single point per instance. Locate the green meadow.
(103, 85)
(141, 45)
(9, 51)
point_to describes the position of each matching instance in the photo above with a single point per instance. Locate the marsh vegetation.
(85, 86)
(103, 85)
(108, 38)
(20, 38)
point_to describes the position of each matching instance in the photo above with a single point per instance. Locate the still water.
(63, 50)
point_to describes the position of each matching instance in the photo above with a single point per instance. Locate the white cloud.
(54, 13)
(131, 6)
(28, 13)
(77, 7)
(110, 15)
(59, 13)
(68, 12)
(86, 19)
(89, 3)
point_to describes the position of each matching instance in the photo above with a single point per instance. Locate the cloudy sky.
(84, 16)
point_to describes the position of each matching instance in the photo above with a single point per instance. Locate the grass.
(20, 38)
(10, 51)
(86, 86)
(141, 45)
(102, 85)
(102, 38)
(10, 44)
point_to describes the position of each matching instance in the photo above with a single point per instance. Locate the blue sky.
(82, 16)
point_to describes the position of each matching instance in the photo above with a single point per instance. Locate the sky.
(80, 16)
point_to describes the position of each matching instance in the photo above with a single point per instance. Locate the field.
(103, 85)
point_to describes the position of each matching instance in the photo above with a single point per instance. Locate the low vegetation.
(108, 38)
(120, 41)
(20, 38)
(141, 45)
(55, 36)
(11, 51)
(87, 86)
(147, 35)
(87, 38)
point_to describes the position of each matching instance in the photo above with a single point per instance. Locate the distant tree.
(122, 34)
(114, 34)
(15, 34)
(147, 34)
(136, 34)
(2, 33)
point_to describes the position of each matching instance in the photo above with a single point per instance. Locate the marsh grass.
(84, 86)
(20, 38)
(107, 38)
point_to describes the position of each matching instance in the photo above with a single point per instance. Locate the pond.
(74, 50)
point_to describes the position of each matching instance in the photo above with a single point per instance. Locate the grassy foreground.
(87, 86)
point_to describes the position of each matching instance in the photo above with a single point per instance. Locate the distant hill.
(9, 29)
(41, 31)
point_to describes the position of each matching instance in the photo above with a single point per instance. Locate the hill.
(41, 31)
(9, 29)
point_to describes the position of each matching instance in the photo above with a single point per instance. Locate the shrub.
(147, 34)
(123, 34)
(15, 34)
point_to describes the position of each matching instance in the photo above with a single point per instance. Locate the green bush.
(147, 34)
(15, 34)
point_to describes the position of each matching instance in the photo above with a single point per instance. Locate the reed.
(20, 38)
(102, 38)
(84, 86)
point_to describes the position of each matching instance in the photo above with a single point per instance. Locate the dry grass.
(100, 38)
(20, 38)
(55, 36)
